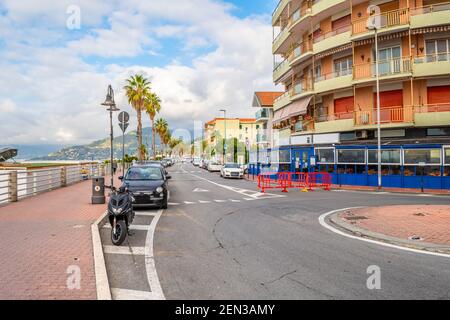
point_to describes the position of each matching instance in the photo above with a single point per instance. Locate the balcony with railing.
(282, 101)
(280, 69)
(299, 19)
(280, 41)
(432, 115)
(300, 53)
(333, 81)
(432, 64)
(390, 68)
(389, 115)
(282, 4)
(390, 21)
(430, 15)
(301, 88)
(332, 39)
(262, 138)
(262, 114)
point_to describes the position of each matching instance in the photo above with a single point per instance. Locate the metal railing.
(300, 49)
(387, 67)
(261, 114)
(437, 107)
(19, 183)
(280, 64)
(332, 75)
(332, 33)
(387, 115)
(433, 57)
(387, 19)
(301, 87)
(431, 8)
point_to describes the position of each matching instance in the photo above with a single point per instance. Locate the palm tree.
(161, 127)
(152, 107)
(137, 88)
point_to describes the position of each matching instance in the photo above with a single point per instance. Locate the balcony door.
(389, 61)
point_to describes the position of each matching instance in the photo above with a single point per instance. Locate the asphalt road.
(220, 239)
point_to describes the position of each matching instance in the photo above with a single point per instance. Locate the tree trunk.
(139, 134)
(153, 138)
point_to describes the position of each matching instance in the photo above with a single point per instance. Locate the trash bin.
(98, 190)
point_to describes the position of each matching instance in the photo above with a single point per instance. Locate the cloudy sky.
(201, 56)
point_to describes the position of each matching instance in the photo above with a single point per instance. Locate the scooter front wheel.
(121, 233)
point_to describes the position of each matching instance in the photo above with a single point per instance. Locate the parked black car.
(148, 184)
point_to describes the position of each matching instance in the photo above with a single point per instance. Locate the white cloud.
(59, 93)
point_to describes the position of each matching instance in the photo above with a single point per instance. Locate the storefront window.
(356, 156)
(427, 156)
(325, 155)
(285, 156)
(447, 156)
(387, 156)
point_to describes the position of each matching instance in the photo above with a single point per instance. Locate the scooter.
(120, 213)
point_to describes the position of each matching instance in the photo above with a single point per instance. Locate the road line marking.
(127, 294)
(123, 250)
(329, 227)
(152, 275)
(220, 201)
(200, 190)
(189, 202)
(139, 227)
(233, 200)
(145, 213)
(204, 201)
(101, 276)
(173, 203)
(249, 199)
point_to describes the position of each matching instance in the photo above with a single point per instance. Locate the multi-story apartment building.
(326, 119)
(264, 102)
(243, 129)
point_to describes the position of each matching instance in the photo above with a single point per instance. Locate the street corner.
(423, 227)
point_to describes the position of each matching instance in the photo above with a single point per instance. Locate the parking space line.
(140, 227)
(123, 250)
(127, 294)
(145, 213)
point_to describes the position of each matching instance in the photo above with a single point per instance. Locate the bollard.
(12, 186)
(63, 176)
(98, 190)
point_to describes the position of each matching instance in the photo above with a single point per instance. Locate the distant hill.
(99, 150)
(28, 151)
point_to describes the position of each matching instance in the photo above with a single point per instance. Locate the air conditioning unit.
(362, 134)
(364, 118)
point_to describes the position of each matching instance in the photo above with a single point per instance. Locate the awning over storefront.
(298, 107)
(279, 114)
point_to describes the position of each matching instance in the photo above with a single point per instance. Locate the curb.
(101, 276)
(335, 220)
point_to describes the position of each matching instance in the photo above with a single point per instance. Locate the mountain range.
(99, 150)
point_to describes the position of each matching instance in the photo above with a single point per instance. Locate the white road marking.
(249, 199)
(189, 202)
(220, 201)
(123, 250)
(173, 203)
(200, 190)
(233, 200)
(203, 201)
(145, 213)
(325, 225)
(244, 192)
(101, 276)
(150, 267)
(126, 294)
(140, 227)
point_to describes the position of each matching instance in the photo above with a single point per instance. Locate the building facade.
(264, 102)
(243, 129)
(327, 118)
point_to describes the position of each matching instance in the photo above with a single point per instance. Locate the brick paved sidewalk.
(430, 222)
(41, 237)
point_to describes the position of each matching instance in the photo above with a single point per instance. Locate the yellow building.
(243, 129)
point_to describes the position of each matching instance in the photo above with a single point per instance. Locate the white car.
(232, 170)
(214, 166)
(196, 162)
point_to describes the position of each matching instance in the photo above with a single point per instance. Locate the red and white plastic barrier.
(292, 180)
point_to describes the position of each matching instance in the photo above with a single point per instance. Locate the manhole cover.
(356, 218)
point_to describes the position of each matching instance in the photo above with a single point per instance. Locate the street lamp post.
(373, 24)
(225, 140)
(109, 102)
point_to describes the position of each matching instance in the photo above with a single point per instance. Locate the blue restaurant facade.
(403, 165)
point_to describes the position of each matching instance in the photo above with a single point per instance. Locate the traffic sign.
(123, 126)
(124, 117)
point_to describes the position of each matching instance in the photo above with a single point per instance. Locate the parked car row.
(228, 170)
